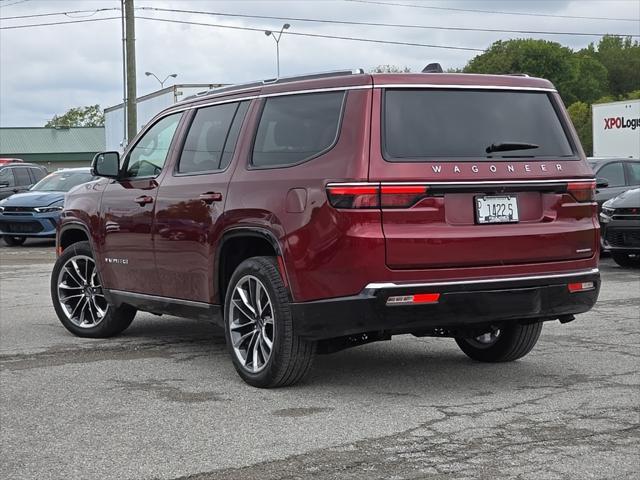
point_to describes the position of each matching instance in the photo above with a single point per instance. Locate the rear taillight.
(583, 191)
(401, 196)
(373, 195)
(354, 195)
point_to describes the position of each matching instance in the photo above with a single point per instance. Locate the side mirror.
(106, 164)
(602, 183)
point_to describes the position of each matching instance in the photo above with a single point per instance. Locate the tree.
(390, 69)
(577, 77)
(621, 57)
(91, 116)
(589, 79)
(580, 114)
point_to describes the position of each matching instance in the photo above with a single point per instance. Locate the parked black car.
(620, 227)
(19, 177)
(621, 173)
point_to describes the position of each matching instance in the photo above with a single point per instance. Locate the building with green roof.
(52, 147)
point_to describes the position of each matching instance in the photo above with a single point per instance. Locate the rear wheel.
(626, 260)
(76, 291)
(503, 345)
(259, 327)
(13, 241)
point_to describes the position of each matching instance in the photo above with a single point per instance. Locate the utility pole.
(124, 142)
(130, 44)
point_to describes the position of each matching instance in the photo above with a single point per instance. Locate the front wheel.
(503, 345)
(13, 241)
(76, 291)
(259, 327)
(626, 260)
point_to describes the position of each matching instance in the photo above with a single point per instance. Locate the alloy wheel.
(80, 292)
(251, 324)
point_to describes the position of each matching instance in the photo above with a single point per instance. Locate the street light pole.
(171, 75)
(268, 33)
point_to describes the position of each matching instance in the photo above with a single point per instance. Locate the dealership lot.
(163, 400)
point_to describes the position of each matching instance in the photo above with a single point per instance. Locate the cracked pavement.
(162, 401)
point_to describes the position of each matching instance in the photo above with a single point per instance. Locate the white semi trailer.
(616, 129)
(147, 107)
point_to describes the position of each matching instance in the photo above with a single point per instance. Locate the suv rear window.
(424, 123)
(295, 128)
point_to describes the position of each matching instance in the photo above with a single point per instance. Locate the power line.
(323, 21)
(12, 4)
(13, 27)
(316, 35)
(375, 2)
(377, 24)
(93, 12)
(301, 34)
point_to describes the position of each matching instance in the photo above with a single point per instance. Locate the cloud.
(45, 71)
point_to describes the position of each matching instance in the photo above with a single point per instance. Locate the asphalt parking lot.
(163, 400)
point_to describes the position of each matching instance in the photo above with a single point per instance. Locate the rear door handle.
(143, 200)
(210, 197)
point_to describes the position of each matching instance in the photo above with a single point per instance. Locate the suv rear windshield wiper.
(508, 146)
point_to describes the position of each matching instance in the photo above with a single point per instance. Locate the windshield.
(62, 181)
(420, 124)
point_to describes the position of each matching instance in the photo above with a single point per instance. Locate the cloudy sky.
(47, 70)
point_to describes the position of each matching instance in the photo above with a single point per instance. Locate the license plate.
(496, 209)
(21, 228)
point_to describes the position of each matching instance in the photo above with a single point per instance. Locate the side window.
(6, 178)
(147, 157)
(36, 174)
(634, 170)
(614, 173)
(232, 138)
(22, 177)
(294, 128)
(205, 141)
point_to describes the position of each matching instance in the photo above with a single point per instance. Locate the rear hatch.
(479, 176)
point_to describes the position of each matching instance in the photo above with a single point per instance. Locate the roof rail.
(276, 81)
(517, 75)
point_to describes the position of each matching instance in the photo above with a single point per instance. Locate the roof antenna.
(433, 68)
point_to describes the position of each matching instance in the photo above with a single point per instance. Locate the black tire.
(290, 357)
(13, 241)
(512, 343)
(626, 260)
(114, 320)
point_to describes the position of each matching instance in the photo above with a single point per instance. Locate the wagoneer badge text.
(509, 168)
(119, 261)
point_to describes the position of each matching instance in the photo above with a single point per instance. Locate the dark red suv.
(322, 212)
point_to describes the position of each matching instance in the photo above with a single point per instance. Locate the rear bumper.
(462, 304)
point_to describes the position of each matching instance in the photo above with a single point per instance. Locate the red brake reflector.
(414, 299)
(426, 298)
(580, 286)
